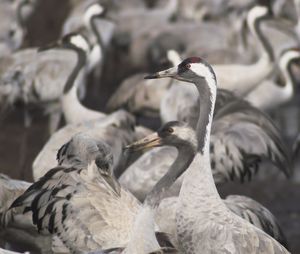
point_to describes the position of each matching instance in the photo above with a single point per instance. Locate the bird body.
(242, 138)
(12, 25)
(130, 95)
(86, 208)
(230, 80)
(16, 228)
(40, 83)
(263, 95)
(91, 220)
(202, 214)
(115, 129)
(203, 222)
(81, 119)
(74, 111)
(242, 206)
(31, 81)
(237, 78)
(231, 77)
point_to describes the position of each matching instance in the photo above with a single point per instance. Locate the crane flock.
(211, 74)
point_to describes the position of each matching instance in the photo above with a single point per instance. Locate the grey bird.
(263, 95)
(89, 17)
(14, 15)
(141, 97)
(39, 83)
(181, 136)
(210, 226)
(87, 209)
(242, 139)
(16, 228)
(117, 130)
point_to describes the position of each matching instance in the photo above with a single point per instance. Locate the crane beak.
(152, 140)
(171, 73)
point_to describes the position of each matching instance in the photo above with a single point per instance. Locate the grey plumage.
(89, 17)
(247, 137)
(116, 129)
(32, 80)
(58, 208)
(183, 137)
(242, 139)
(12, 26)
(88, 210)
(37, 79)
(16, 228)
(203, 222)
(244, 207)
(81, 150)
(138, 96)
(256, 214)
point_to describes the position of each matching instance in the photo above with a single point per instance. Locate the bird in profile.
(181, 136)
(86, 208)
(73, 110)
(203, 221)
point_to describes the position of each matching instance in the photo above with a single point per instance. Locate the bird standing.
(202, 219)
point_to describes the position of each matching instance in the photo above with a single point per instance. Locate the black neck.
(266, 44)
(81, 59)
(186, 154)
(290, 73)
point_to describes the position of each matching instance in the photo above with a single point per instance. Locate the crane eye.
(188, 66)
(170, 130)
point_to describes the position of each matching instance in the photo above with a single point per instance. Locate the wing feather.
(257, 215)
(81, 208)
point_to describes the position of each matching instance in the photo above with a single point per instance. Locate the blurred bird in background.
(199, 157)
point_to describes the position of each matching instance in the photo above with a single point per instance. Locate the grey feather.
(257, 215)
(17, 228)
(116, 130)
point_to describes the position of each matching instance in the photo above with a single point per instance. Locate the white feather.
(80, 42)
(93, 10)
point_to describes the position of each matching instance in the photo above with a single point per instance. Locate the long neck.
(72, 109)
(70, 102)
(98, 36)
(254, 26)
(207, 98)
(286, 70)
(186, 154)
(198, 185)
(81, 59)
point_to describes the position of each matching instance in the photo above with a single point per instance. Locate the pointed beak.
(153, 140)
(171, 73)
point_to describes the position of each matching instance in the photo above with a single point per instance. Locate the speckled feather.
(117, 130)
(80, 208)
